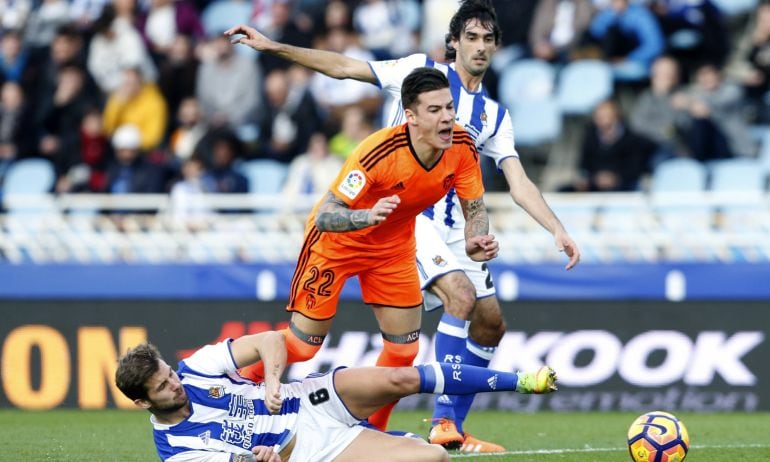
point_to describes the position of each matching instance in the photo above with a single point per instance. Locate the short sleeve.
(468, 183)
(501, 144)
(352, 183)
(212, 360)
(391, 73)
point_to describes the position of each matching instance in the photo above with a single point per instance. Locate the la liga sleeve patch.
(352, 185)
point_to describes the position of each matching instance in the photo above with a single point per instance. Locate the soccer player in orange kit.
(364, 226)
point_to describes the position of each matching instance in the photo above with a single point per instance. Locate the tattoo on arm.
(476, 218)
(335, 216)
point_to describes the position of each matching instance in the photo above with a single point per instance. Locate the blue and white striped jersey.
(487, 121)
(228, 414)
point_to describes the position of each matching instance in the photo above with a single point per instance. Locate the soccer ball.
(658, 437)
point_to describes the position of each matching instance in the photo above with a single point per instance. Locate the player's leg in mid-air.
(465, 290)
(364, 390)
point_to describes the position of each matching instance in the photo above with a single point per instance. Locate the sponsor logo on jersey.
(205, 436)
(439, 261)
(492, 381)
(399, 186)
(216, 392)
(448, 181)
(352, 184)
(483, 118)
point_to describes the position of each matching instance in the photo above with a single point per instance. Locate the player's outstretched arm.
(479, 244)
(528, 196)
(336, 216)
(335, 65)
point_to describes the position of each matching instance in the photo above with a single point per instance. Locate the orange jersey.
(385, 164)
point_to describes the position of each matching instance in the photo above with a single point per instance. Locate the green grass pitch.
(71, 435)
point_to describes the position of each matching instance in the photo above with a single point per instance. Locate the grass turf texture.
(69, 435)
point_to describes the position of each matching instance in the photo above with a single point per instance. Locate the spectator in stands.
(695, 31)
(84, 13)
(131, 172)
(61, 118)
(220, 149)
(281, 23)
(557, 27)
(115, 46)
(355, 127)
(14, 14)
(15, 125)
(629, 37)
(66, 49)
(90, 174)
(334, 95)
(750, 64)
(44, 22)
(228, 85)
(655, 117)
(289, 117)
(716, 105)
(612, 158)
(165, 21)
(189, 131)
(178, 74)
(15, 64)
(378, 24)
(94, 150)
(188, 205)
(310, 173)
(138, 103)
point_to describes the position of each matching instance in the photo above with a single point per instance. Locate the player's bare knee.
(436, 453)
(461, 296)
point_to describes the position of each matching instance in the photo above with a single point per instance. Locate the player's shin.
(451, 336)
(397, 351)
(475, 355)
(462, 379)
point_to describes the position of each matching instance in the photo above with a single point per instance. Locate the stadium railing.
(628, 227)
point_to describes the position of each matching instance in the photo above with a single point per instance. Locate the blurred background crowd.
(149, 96)
(148, 104)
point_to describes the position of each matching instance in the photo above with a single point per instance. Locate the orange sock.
(297, 350)
(393, 355)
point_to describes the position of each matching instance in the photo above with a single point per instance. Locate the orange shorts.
(318, 280)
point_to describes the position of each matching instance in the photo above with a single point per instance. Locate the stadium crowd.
(129, 96)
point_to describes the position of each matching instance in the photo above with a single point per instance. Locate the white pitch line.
(532, 452)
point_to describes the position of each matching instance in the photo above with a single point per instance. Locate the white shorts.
(325, 427)
(441, 250)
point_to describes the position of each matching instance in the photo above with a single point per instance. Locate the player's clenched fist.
(481, 248)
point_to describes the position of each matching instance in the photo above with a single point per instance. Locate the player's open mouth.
(445, 134)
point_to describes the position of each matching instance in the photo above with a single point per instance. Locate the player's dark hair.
(421, 80)
(480, 10)
(135, 368)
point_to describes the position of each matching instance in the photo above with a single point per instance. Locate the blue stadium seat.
(29, 176)
(679, 175)
(265, 176)
(221, 15)
(737, 175)
(582, 85)
(536, 122)
(526, 80)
